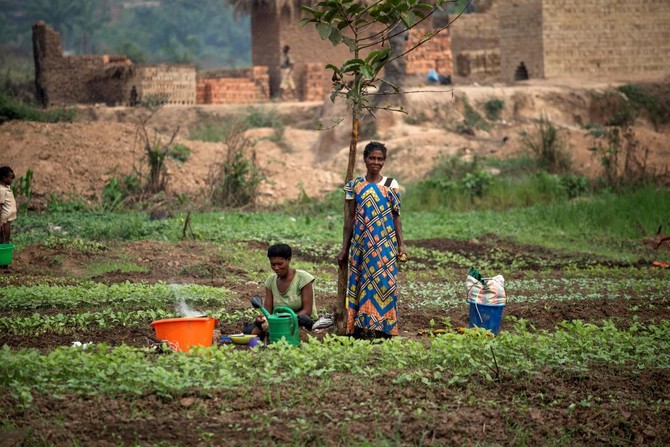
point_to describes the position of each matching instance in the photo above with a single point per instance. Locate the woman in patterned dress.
(373, 241)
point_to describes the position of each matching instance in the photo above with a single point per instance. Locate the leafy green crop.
(448, 359)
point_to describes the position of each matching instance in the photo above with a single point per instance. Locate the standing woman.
(373, 241)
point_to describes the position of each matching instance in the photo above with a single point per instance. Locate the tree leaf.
(324, 30)
(335, 36)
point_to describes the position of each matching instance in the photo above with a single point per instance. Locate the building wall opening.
(521, 73)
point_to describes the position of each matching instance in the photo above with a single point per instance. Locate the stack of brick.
(435, 54)
(233, 86)
(175, 82)
(313, 82)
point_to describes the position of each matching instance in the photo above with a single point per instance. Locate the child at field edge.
(7, 206)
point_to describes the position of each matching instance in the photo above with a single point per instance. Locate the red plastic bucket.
(184, 333)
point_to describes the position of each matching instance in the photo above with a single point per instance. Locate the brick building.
(584, 38)
(112, 80)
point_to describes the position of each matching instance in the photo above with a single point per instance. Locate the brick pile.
(175, 82)
(233, 86)
(313, 82)
(434, 54)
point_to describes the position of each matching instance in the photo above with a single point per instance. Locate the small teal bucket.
(486, 316)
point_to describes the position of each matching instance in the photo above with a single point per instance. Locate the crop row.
(449, 294)
(448, 359)
(104, 319)
(125, 295)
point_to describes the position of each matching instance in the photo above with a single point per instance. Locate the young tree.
(367, 27)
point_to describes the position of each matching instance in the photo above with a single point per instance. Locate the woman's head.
(374, 156)
(374, 146)
(6, 175)
(280, 259)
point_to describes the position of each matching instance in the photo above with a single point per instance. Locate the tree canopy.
(147, 31)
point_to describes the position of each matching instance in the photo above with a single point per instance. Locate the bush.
(624, 161)
(548, 148)
(234, 181)
(493, 108)
(654, 100)
(180, 153)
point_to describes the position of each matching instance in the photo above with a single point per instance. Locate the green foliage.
(22, 190)
(180, 152)
(653, 99)
(346, 22)
(548, 148)
(612, 109)
(15, 109)
(234, 181)
(450, 359)
(213, 133)
(210, 35)
(493, 108)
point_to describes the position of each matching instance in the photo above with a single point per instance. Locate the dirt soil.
(77, 159)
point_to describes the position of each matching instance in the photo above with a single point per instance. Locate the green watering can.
(283, 322)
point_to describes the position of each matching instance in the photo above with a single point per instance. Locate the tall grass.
(498, 193)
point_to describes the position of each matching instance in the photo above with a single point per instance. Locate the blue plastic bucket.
(486, 316)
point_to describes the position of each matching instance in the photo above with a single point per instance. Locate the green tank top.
(292, 298)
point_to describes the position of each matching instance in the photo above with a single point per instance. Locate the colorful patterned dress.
(371, 289)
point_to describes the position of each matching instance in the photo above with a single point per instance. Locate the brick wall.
(478, 64)
(619, 37)
(63, 80)
(243, 86)
(475, 44)
(575, 38)
(521, 38)
(434, 54)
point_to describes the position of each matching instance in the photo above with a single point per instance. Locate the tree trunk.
(343, 268)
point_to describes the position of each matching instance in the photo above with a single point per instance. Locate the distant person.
(286, 287)
(287, 86)
(7, 206)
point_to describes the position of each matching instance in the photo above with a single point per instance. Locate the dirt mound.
(79, 158)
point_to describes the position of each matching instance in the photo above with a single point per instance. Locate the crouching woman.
(286, 287)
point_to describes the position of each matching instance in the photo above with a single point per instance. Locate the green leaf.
(351, 43)
(324, 30)
(335, 36)
(367, 72)
(352, 66)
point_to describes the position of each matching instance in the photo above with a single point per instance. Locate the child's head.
(6, 175)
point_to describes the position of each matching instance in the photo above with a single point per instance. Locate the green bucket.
(6, 253)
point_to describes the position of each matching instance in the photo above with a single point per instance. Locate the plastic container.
(486, 316)
(284, 324)
(184, 333)
(6, 253)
